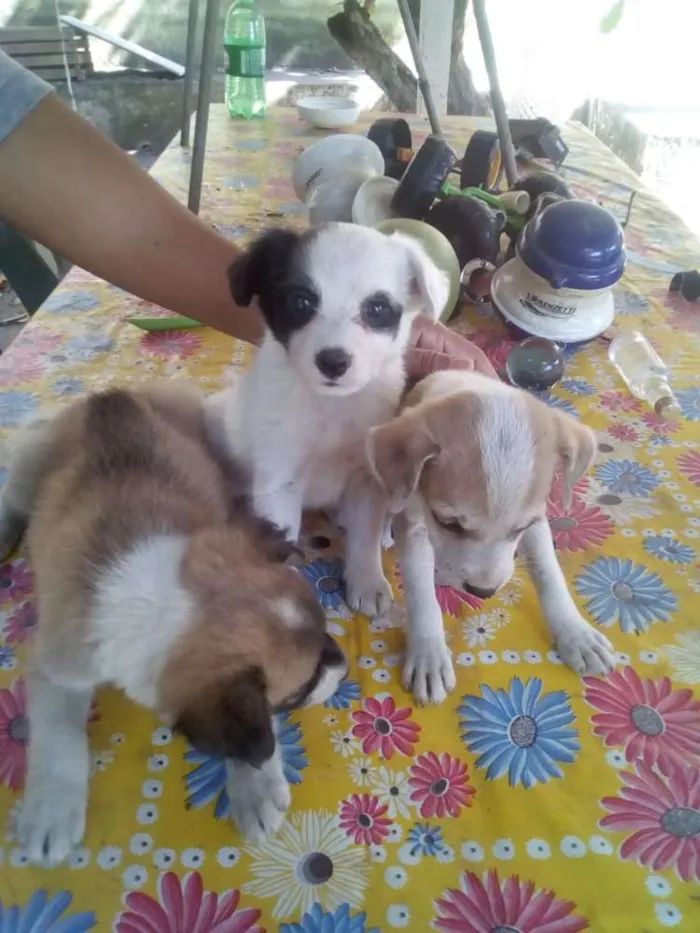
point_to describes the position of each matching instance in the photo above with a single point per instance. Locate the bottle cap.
(668, 408)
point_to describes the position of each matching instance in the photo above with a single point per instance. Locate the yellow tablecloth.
(532, 801)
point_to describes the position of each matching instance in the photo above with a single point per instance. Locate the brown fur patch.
(130, 465)
(231, 718)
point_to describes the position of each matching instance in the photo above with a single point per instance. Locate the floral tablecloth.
(532, 801)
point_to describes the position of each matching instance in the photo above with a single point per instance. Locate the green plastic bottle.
(244, 41)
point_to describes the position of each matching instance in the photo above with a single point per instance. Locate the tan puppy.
(152, 575)
(469, 462)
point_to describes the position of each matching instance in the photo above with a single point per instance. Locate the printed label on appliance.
(546, 308)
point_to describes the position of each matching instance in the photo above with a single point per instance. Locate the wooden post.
(435, 39)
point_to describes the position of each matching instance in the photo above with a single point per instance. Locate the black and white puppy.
(338, 302)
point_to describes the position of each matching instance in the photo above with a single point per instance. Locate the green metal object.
(515, 222)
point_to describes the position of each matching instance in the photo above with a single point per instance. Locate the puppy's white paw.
(585, 649)
(388, 536)
(259, 801)
(51, 823)
(368, 593)
(428, 671)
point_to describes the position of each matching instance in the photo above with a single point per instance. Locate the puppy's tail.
(30, 463)
(119, 434)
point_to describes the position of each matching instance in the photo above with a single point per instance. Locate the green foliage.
(612, 18)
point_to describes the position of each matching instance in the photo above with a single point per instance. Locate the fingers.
(421, 363)
(436, 347)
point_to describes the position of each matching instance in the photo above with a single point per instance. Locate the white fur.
(259, 797)
(303, 438)
(288, 611)
(328, 683)
(428, 669)
(140, 609)
(52, 818)
(581, 646)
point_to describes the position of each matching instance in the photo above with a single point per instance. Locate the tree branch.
(359, 38)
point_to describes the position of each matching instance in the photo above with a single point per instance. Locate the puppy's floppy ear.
(267, 256)
(576, 445)
(231, 719)
(430, 286)
(396, 454)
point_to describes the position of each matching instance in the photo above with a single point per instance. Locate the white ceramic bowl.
(373, 200)
(328, 113)
(335, 155)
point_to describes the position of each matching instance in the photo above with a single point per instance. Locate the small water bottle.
(644, 372)
(244, 41)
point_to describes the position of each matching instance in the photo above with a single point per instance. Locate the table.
(532, 800)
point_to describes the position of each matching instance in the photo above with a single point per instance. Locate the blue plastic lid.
(574, 244)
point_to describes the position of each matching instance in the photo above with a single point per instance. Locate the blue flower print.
(348, 691)
(629, 303)
(625, 592)
(289, 739)
(232, 231)
(42, 914)
(561, 404)
(660, 440)
(207, 781)
(68, 385)
(7, 660)
(578, 386)
(291, 208)
(520, 731)
(625, 477)
(69, 302)
(326, 574)
(317, 920)
(689, 400)
(86, 348)
(425, 839)
(668, 549)
(16, 407)
(252, 144)
(242, 182)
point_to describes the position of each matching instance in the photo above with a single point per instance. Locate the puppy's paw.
(369, 594)
(428, 671)
(51, 823)
(259, 801)
(388, 536)
(585, 649)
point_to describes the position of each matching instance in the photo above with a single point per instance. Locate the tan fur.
(487, 487)
(207, 655)
(431, 444)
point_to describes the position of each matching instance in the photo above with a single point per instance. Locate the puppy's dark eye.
(302, 305)
(454, 527)
(379, 313)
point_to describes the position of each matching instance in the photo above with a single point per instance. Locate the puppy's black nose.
(333, 362)
(475, 591)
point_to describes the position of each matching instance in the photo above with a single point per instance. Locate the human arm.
(65, 185)
(435, 347)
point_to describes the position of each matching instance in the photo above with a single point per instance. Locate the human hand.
(435, 347)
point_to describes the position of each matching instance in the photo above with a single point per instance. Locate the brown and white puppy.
(469, 463)
(153, 576)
